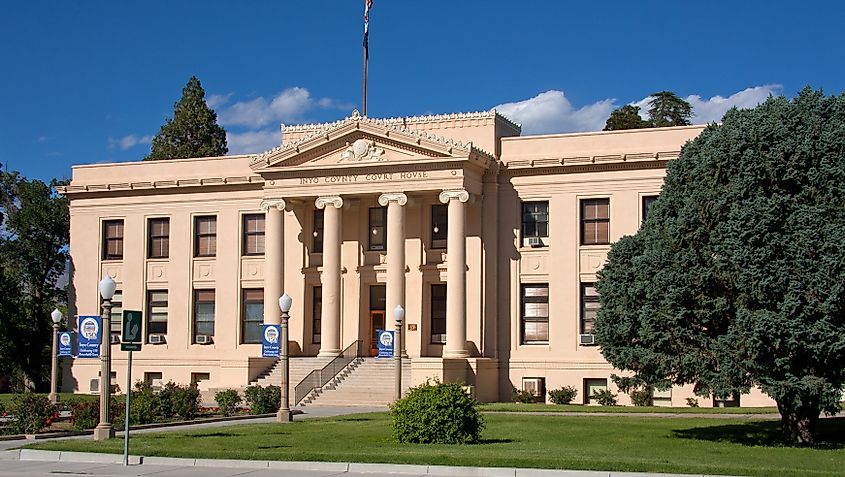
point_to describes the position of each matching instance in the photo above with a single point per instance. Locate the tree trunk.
(799, 424)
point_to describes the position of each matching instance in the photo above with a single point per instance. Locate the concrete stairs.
(299, 368)
(365, 382)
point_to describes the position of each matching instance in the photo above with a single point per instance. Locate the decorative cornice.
(454, 194)
(279, 204)
(399, 197)
(162, 184)
(329, 200)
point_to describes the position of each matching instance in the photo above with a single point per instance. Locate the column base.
(103, 432)
(328, 353)
(460, 353)
(284, 415)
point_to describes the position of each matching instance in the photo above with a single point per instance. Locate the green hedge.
(440, 413)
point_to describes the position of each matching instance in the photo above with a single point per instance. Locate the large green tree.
(626, 117)
(665, 108)
(193, 131)
(33, 254)
(737, 277)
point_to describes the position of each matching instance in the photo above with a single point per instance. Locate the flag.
(367, 5)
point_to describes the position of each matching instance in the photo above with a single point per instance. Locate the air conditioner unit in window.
(535, 386)
(587, 340)
(114, 338)
(157, 338)
(535, 242)
(204, 339)
(94, 385)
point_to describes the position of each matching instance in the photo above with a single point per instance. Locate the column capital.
(279, 204)
(399, 197)
(329, 200)
(454, 194)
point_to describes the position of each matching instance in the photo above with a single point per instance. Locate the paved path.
(749, 416)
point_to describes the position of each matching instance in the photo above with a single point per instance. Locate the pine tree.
(193, 131)
(667, 109)
(626, 117)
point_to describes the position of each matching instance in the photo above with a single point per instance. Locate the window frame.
(432, 318)
(116, 312)
(107, 239)
(584, 300)
(199, 236)
(439, 237)
(150, 314)
(585, 221)
(380, 230)
(316, 314)
(163, 249)
(524, 319)
(259, 233)
(645, 205)
(537, 225)
(317, 231)
(196, 312)
(251, 296)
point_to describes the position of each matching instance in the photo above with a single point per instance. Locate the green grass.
(519, 407)
(6, 398)
(681, 445)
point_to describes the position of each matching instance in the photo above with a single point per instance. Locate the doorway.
(378, 302)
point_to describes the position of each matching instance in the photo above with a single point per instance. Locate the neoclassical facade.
(489, 240)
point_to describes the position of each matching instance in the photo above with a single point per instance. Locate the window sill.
(112, 260)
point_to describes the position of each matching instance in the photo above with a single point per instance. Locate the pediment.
(358, 141)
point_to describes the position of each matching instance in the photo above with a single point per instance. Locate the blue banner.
(65, 344)
(385, 344)
(89, 335)
(270, 340)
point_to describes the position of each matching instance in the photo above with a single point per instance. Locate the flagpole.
(367, 5)
(365, 82)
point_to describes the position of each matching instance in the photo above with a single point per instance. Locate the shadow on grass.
(272, 447)
(356, 419)
(495, 441)
(214, 434)
(830, 435)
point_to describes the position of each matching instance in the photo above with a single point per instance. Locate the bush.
(263, 400)
(440, 413)
(85, 414)
(604, 397)
(177, 400)
(641, 397)
(228, 401)
(525, 397)
(30, 413)
(145, 406)
(564, 395)
(692, 402)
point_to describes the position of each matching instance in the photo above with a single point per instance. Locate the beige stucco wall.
(560, 169)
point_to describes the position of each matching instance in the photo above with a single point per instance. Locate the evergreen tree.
(667, 109)
(737, 277)
(193, 131)
(626, 117)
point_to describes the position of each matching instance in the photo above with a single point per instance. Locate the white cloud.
(216, 100)
(252, 142)
(551, 112)
(289, 105)
(709, 110)
(128, 142)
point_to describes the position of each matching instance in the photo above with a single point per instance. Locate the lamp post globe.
(284, 414)
(56, 316)
(104, 429)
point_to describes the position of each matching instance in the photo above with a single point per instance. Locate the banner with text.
(65, 344)
(89, 337)
(385, 344)
(270, 341)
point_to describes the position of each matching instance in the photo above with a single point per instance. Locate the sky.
(93, 81)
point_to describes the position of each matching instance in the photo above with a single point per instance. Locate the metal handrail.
(319, 377)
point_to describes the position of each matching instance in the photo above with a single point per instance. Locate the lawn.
(623, 443)
(539, 407)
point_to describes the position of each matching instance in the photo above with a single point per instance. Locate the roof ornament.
(355, 114)
(362, 151)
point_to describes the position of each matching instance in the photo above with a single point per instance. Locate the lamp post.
(398, 314)
(284, 414)
(104, 429)
(56, 316)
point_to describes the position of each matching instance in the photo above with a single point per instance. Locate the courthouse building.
(489, 240)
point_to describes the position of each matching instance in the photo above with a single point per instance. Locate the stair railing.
(320, 377)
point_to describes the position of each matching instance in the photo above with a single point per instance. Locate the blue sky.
(92, 81)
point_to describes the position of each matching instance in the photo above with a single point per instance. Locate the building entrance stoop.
(366, 382)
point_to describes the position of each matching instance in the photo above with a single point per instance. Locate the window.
(589, 307)
(154, 380)
(317, 232)
(439, 225)
(316, 314)
(648, 201)
(158, 245)
(253, 315)
(197, 378)
(591, 386)
(116, 312)
(205, 239)
(378, 228)
(438, 313)
(156, 312)
(595, 222)
(203, 313)
(535, 223)
(254, 234)
(661, 397)
(535, 313)
(113, 240)
(536, 387)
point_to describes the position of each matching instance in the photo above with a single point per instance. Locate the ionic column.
(395, 202)
(456, 275)
(330, 319)
(274, 257)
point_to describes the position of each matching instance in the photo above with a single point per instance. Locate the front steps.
(365, 382)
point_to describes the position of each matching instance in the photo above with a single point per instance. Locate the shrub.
(263, 400)
(85, 414)
(604, 397)
(520, 395)
(440, 413)
(30, 413)
(692, 402)
(641, 397)
(228, 400)
(145, 406)
(177, 400)
(564, 395)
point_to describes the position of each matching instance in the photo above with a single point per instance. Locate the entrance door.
(376, 324)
